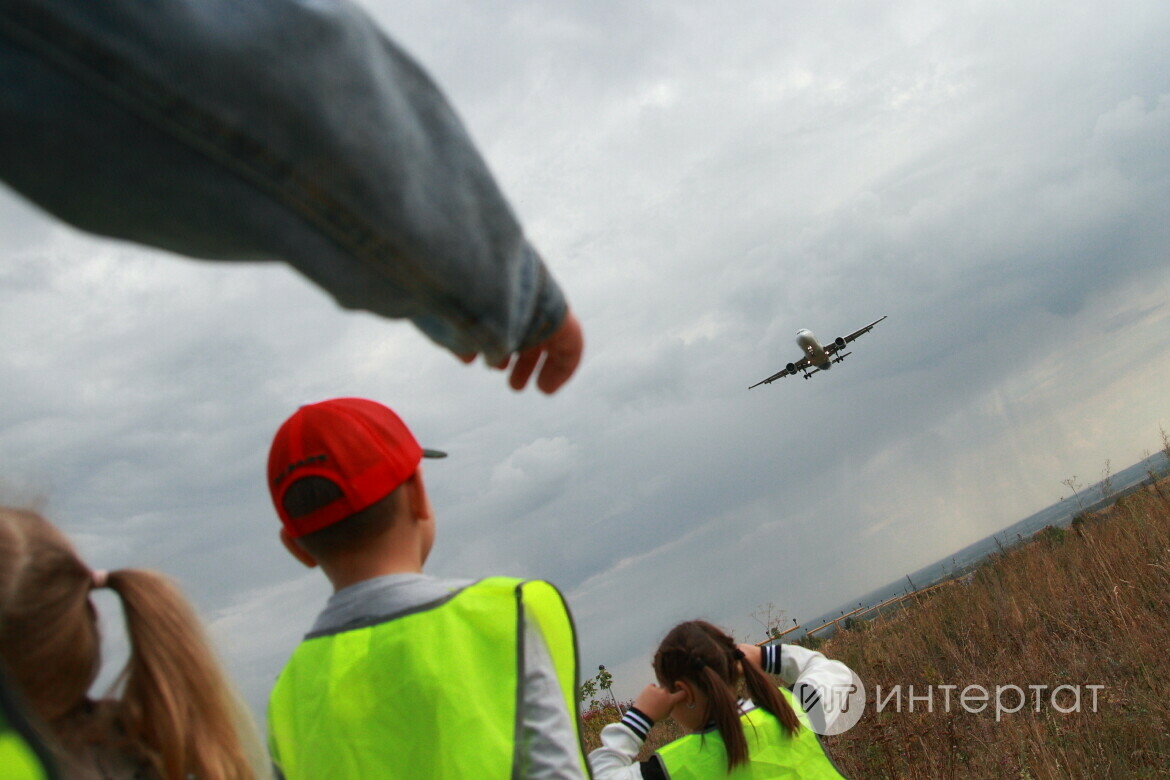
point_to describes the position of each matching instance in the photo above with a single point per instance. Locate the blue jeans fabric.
(289, 130)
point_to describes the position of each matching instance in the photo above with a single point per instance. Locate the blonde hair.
(176, 708)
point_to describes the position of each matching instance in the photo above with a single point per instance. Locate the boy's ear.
(420, 502)
(296, 550)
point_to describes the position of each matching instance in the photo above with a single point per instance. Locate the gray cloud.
(703, 182)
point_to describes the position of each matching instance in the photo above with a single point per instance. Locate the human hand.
(657, 702)
(561, 352)
(753, 655)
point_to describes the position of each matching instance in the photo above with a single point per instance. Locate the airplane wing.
(798, 365)
(833, 347)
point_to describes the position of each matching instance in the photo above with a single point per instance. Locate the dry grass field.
(1069, 636)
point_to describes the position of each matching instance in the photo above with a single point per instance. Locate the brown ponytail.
(176, 709)
(765, 694)
(701, 654)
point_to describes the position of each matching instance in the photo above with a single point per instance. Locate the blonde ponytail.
(48, 629)
(171, 705)
(174, 697)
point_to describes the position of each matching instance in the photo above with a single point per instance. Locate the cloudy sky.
(703, 182)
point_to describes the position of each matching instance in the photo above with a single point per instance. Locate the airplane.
(822, 358)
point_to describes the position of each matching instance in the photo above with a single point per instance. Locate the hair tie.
(738, 654)
(99, 578)
(697, 665)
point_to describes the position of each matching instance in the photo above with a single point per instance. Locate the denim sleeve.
(290, 130)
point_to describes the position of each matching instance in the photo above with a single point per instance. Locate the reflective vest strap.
(544, 604)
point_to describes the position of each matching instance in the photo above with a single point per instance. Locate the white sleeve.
(550, 746)
(801, 665)
(614, 760)
(814, 678)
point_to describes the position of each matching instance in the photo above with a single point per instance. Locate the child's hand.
(753, 655)
(657, 702)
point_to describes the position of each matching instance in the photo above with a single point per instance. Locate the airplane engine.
(791, 368)
(840, 342)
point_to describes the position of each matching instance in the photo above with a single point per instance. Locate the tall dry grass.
(1088, 605)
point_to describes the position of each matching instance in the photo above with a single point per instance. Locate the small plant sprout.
(1107, 480)
(1074, 484)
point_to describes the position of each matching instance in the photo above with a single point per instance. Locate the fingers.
(554, 373)
(523, 366)
(668, 700)
(564, 355)
(657, 702)
(560, 352)
(645, 700)
(752, 654)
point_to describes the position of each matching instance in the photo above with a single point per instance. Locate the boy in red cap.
(404, 674)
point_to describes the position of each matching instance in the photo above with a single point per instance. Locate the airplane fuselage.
(812, 348)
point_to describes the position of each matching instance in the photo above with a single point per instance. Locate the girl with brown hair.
(699, 669)
(176, 716)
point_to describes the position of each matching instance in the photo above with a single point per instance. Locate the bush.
(1054, 534)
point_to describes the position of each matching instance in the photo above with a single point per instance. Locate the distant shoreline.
(1093, 499)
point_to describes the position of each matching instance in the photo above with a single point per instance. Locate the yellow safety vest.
(774, 753)
(432, 693)
(17, 759)
(22, 755)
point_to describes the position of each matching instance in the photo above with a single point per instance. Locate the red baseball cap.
(361, 447)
